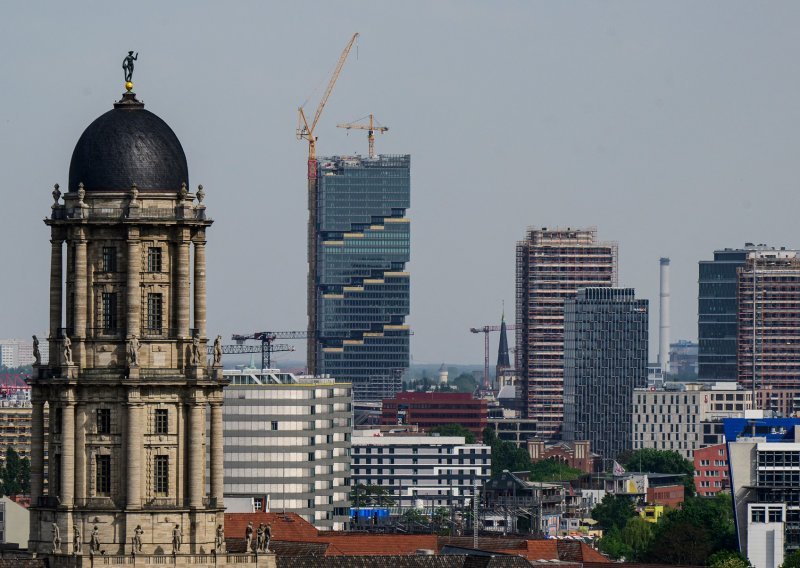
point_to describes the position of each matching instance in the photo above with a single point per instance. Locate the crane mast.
(370, 128)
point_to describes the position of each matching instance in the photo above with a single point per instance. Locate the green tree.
(637, 536)
(505, 455)
(465, 382)
(792, 561)
(371, 496)
(12, 473)
(682, 543)
(553, 470)
(454, 430)
(612, 545)
(613, 512)
(729, 559)
(650, 460)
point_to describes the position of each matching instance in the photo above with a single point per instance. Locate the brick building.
(711, 470)
(430, 409)
(577, 455)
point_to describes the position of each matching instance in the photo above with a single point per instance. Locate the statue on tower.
(67, 350)
(127, 65)
(218, 350)
(37, 355)
(133, 351)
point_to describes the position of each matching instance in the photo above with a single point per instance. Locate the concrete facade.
(676, 419)
(420, 470)
(287, 445)
(14, 523)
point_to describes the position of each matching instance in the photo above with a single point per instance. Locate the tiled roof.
(380, 544)
(454, 561)
(289, 527)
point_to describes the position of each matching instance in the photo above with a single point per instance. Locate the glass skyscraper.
(360, 285)
(605, 359)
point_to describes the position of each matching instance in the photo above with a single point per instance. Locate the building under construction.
(361, 287)
(552, 265)
(769, 329)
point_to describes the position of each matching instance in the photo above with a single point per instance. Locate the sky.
(672, 127)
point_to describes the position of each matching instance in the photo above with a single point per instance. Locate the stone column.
(80, 453)
(197, 462)
(56, 295)
(134, 455)
(182, 285)
(217, 455)
(68, 454)
(37, 450)
(80, 299)
(134, 294)
(200, 284)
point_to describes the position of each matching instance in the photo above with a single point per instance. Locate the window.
(258, 503)
(274, 425)
(109, 312)
(104, 421)
(161, 471)
(154, 313)
(58, 420)
(109, 259)
(775, 515)
(103, 475)
(757, 515)
(162, 421)
(154, 259)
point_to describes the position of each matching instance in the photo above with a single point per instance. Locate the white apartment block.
(287, 445)
(19, 352)
(688, 419)
(420, 471)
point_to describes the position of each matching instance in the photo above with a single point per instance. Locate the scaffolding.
(552, 264)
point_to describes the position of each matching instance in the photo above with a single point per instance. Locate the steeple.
(502, 350)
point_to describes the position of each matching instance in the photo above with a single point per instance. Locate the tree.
(465, 382)
(505, 455)
(611, 544)
(682, 543)
(637, 537)
(12, 473)
(613, 512)
(792, 561)
(650, 460)
(371, 496)
(553, 470)
(729, 559)
(454, 430)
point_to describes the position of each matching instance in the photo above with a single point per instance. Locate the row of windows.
(109, 259)
(103, 474)
(103, 420)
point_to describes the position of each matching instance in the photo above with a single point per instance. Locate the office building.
(764, 472)
(431, 409)
(425, 471)
(128, 389)
(552, 264)
(287, 445)
(683, 360)
(605, 359)
(686, 417)
(718, 312)
(359, 288)
(769, 328)
(711, 469)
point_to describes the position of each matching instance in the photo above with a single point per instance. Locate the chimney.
(663, 317)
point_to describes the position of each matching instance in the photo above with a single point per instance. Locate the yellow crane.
(305, 131)
(370, 128)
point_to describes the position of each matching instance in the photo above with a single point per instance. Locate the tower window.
(58, 420)
(109, 312)
(109, 259)
(103, 475)
(154, 313)
(104, 421)
(161, 471)
(162, 421)
(154, 259)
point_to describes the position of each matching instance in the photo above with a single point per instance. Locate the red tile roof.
(285, 526)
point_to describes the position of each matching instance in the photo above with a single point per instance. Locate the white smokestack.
(663, 317)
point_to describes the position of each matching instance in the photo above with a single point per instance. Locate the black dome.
(125, 146)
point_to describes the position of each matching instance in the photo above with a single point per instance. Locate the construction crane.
(370, 128)
(267, 339)
(305, 131)
(239, 349)
(486, 330)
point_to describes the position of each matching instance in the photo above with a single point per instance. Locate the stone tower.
(134, 407)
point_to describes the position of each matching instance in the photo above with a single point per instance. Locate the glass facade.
(361, 286)
(717, 311)
(605, 359)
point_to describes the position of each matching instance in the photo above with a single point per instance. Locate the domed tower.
(128, 388)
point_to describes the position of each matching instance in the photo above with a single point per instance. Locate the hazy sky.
(674, 127)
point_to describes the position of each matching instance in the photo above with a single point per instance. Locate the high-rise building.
(360, 296)
(605, 359)
(287, 445)
(128, 388)
(769, 328)
(552, 264)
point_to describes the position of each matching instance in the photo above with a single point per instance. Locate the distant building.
(577, 455)
(14, 523)
(431, 409)
(683, 358)
(512, 429)
(711, 470)
(359, 284)
(764, 470)
(19, 352)
(552, 264)
(688, 419)
(426, 471)
(769, 327)
(15, 427)
(543, 503)
(287, 445)
(605, 359)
